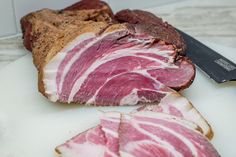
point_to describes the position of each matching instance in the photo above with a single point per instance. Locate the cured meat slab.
(85, 56)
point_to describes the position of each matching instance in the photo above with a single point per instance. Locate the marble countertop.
(212, 21)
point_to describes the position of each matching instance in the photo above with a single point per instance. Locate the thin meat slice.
(150, 134)
(110, 123)
(140, 134)
(177, 105)
(90, 143)
(100, 141)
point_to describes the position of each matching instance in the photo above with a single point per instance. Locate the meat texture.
(91, 143)
(153, 25)
(142, 134)
(90, 5)
(148, 134)
(81, 60)
(179, 106)
(84, 54)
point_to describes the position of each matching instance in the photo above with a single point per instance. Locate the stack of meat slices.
(140, 134)
(85, 54)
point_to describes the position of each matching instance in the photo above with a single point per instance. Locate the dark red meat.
(153, 25)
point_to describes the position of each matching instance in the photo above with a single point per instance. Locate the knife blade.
(216, 66)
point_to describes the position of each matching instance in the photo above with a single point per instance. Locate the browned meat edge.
(90, 4)
(154, 26)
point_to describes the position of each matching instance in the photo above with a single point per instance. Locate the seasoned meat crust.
(59, 21)
(153, 25)
(90, 4)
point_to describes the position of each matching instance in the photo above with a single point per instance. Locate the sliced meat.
(149, 134)
(179, 106)
(116, 68)
(81, 60)
(153, 25)
(100, 141)
(110, 124)
(140, 134)
(90, 143)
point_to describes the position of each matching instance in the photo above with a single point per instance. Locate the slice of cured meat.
(90, 143)
(150, 134)
(100, 141)
(176, 105)
(110, 125)
(140, 134)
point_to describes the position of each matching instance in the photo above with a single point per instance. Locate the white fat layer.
(141, 41)
(158, 84)
(112, 114)
(86, 149)
(115, 55)
(73, 60)
(78, 54)
(50, 70)
(130, 99)
(132, 95)
(111, 153)
(167, 117)
(111, 132)
(124, 154)
(92, 99)
(137, 145)
(187, 110)
(111, 119)
(188, 143)
(133, 98)
(166, 144)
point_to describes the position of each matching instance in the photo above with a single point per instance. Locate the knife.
(216, 66)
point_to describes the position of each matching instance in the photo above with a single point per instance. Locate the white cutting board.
(31, 126)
